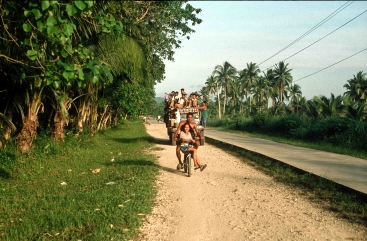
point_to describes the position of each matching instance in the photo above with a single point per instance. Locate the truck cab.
(177, 115)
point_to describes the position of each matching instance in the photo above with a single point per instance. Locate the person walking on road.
(204, 114)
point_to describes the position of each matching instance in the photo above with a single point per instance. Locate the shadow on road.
(173, 170)
(161, 141)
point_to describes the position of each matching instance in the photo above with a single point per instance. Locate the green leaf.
(49, 73)
(68, 30)
(68, 75)
(37, 13)
(56, 84)
(94, 79)
(45, 5)
(69, 49)
(61, 20)
(81, 74)
(71, 10)
(89, 3)
(27, 13)
(80, 5)
(51, 21)
(32, 54)
(64, 53)
(52, 30)
(40, 25)
(33, 4)
(86, 51)
(27, 28)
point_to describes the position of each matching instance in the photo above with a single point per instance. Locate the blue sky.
(241, 32)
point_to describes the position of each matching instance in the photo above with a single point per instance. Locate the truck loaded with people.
(178, 105)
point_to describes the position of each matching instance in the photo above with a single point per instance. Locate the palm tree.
(248, 76)
(357, 111)
(269, 75)
(333, 107)
(283, 78)
(233, 93)
(295, 94)
(357, 87)
(214, 88)
(226, 76)
(261, 89)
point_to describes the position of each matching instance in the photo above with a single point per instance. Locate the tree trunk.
(102, 117)
(58, 127)
(93, 121)
(224, 103)
(83, 113)
(25, 138)
(106, 120)
(60, 120)
(219, 114)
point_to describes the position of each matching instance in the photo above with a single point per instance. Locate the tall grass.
(84, 189)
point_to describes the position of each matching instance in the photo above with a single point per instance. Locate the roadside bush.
(286, 124)
(259, 120)
(243, 124)
(339, 131)
(225, 122)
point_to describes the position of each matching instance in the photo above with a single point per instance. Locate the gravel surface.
(231, 200)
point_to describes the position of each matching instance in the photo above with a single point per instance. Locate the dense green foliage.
(83, 189)
(83, 64)
(337, 131)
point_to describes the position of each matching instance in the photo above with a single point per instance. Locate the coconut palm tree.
(214, 88)
(357, 87)
(269, 75)
(357, 111)
(295, 94)
(248, 76)
(226, 75)
(283, 78)
(333, 107)
(261, 89)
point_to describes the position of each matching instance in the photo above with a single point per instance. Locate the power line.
(321, 38)
(311, 30)
(331, 65)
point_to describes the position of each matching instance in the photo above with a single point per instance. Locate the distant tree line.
(247, 92)
(270, 102)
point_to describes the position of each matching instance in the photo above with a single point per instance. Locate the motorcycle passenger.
(194, 133)
(186, 137)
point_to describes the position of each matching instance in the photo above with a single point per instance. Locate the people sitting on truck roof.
(181, 102)
(182, 91)
(176, 97)
(195, 133)
(194, 100)
(168, 99)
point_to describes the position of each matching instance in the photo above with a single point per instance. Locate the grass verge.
(348, 204)
(322, 146)
(84, 189)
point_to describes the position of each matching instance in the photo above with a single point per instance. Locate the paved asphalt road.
(346, 170)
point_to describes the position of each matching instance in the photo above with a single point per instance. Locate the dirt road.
(230, 200)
